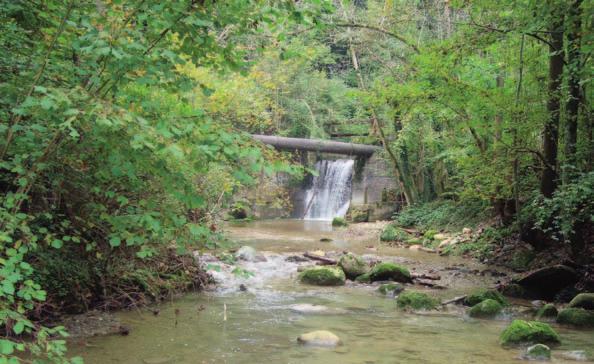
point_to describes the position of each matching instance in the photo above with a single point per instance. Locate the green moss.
(548, 310)
(480, 295)
(393, 233)
(389, 271)
(352, 265)
(538, 352)
(576, 317)
(339, 221)
(583, 300)
(390, 288)
(323, 276)
(520, 331)
(359, 214)
(514, 290)
(486, 308)
(429, 234)
(363, 278)
(414, 241)
(416, 301)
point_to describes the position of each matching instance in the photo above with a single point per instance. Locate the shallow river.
(261, 325)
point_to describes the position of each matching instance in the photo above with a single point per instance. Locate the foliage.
(447, 215)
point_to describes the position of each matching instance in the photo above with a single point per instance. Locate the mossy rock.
(352, 265)
(486, 308)
(514, 290)
(387, 272)
(359, 214)
(538, 352)
(480, 295)
(338, 222)
(576, 317)
(323, 276)
(393, 233)
(429, 234)
(547, 311)
(414, 241)
(416, 301)
(583, 300)
(391, 288)
(520, 331)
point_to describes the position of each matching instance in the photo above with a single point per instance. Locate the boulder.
(319, 338)
(308, 308)
(514, 290)
(323, 276)
(416, 301)
(467, 231)
(576, 317)
(480, 295)
(547, 311)
(325, 240)
(486, 308)
(546, 282)
(583, 300)
(353, 265)
(385, 272)
(338, 222)
(520, 331)
(359, 214)
(538, 352)
(440, 236)
(391, 288)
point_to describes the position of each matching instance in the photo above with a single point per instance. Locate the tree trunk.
(548, 182)
(317, 145)
(573, 103)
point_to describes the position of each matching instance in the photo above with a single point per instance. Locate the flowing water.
(260, 325)
(330, 192)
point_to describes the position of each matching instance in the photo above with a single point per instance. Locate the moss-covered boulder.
(486, 308)
(480, 295)
(387, 272)
(393, 233)
(547, 311)
(339, 221)
(576, 317)
(514, 290)
(353, 265)
(538, 352)
(583, 300)
(323, 276)
(520, 331)
(359, 214)
(391, 288)
(416, 301)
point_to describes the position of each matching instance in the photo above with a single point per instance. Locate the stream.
(261, 323)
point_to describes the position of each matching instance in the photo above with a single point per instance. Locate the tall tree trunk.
(573, 104)
(548, 182)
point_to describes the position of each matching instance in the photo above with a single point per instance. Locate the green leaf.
(115, 241)
(18, 327)
(57, 243)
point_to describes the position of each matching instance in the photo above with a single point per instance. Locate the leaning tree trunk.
(317, 145)
(548, 182)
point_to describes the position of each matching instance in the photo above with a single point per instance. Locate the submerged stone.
(249, 254)
(308, 308)
(583, 300)
(538, 352)
(416, 301)
(576, 355)
(391, 288)
(576, 317)
(480, 295)
(353, 265)
(319, 338)
(385, 272)
(520, 331)
(547, 311)
(486, 308)
(323, 276)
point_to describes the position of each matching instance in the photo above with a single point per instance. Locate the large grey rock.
(319, 338)
(249, 254)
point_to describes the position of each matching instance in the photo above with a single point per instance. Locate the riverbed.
(255, 317)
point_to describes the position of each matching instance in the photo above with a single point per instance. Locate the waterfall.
(330, 192)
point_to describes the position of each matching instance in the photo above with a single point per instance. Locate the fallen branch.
(454, 300)
(433, 277)
(325, 260)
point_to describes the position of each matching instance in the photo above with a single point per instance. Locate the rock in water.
(391, 288)
(576, 355)
(323, 276)
(576, 317)
(319, 338)
(480, 295)
(386, 271)
(486, 308)
(308, 308)
(538, 352)
(520, 331)
(416, 301)
(547, 311)
(249, 254)
(583, 300)
(546, 282)
(352, 265)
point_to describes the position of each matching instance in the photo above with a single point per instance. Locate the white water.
(330, 193)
